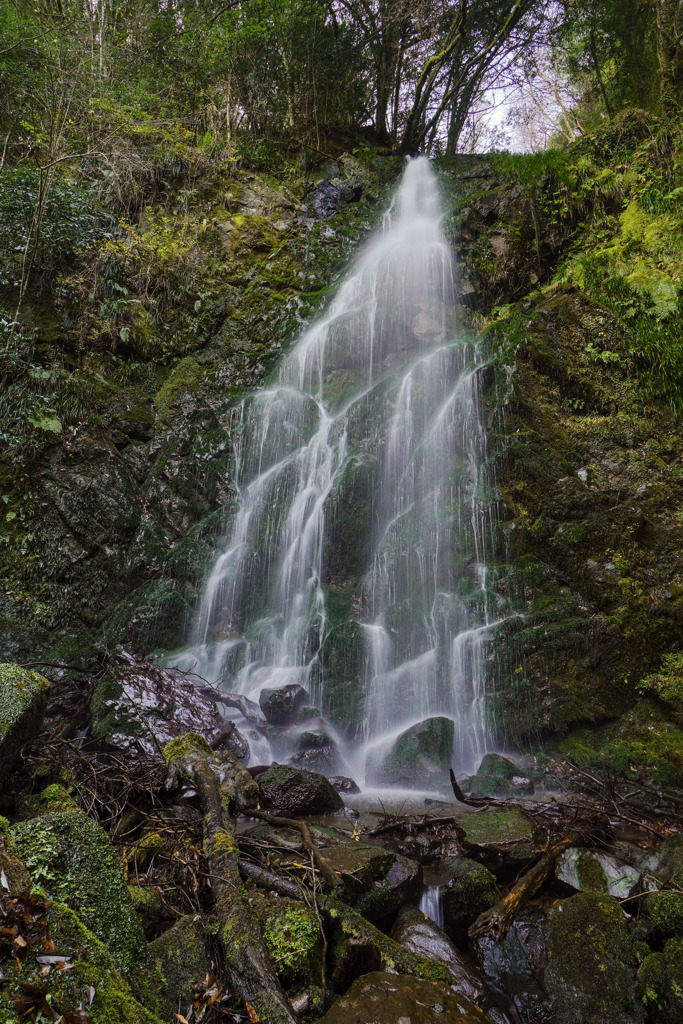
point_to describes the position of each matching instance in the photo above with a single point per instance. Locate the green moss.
(665, 911)
(292, 935)
(178, 959)
(591, 874)
(71, 858)
(223, 843)
(184, 379)
(23, 698)
(592, 961)
(471, 890)
(185, 746)
(92, 968)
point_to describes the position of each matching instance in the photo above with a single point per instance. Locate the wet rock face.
(418, 759)
(517, 965)
(390, 998)
(421, 935)
(585, 466)
(23, 699)
(140, 709)
(293, 791)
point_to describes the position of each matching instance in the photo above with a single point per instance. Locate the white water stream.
(368, 451)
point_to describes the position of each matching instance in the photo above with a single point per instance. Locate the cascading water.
(360, 478)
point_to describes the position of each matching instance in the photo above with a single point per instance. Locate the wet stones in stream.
(420, 935)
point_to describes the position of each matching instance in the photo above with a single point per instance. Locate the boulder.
(499, 776)
(659, 983)
(421, 935)
(397, 999)
(470, 890)
(281, 703)
(591, 973)
(293, 791)
(516, 965)
(291, 931)
(596, 871)
(71, 857)
(344, 784)
(503, 836)
(420, 758)
(23, 699)
(139, 709)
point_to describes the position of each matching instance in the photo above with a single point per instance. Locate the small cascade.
(431, 905)
(361, 477)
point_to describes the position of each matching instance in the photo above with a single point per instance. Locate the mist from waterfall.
(375, 409)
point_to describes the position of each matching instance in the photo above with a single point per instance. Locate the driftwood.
(245, 955)
(471, 801)
(249, 708)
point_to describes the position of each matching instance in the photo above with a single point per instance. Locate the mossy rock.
(93, 978)
(53, 798)
(498, 775)
(13, 868)
(592, 963)
(419, 758)
(665, 912)
(291, 931)
(502, 833)
(293, 791)
(660, 983)
(23, 699)
(178, 959)
(471, 890)
(71, 857)
(376, 882)
(596, 871)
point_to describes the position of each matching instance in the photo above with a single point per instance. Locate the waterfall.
(361, 483)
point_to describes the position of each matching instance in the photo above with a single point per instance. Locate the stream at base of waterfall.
(355, 564)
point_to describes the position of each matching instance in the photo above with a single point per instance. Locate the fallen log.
(245, 956)
(497, 921)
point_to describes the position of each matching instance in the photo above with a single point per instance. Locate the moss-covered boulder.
(71, 858)
(660, 983)
(91, 977)
(291, 931)
(23, 699)
(664, 910)
(386, 998)
(470, 890)
(376, 881)
(177, 960)
(591, 974)
(499, 776)
(292, 791)
(420, 758)
(501, 835)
